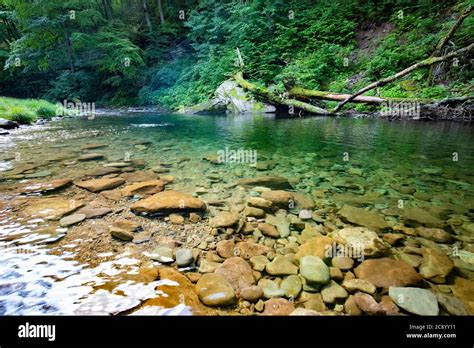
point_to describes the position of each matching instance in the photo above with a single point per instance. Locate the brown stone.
(367, 304)
(279, 198)
(97, 185)
(144, 188)
(224, 219)
(237, 272)
(386, 272)
(435, 234)
(320, 246)
(46, 186)
(278, 306)
(268, 230)
(168, 202)
(435, 266)
(226, 248)
(247, 250)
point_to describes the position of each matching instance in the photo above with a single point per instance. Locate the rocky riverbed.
(149, 227)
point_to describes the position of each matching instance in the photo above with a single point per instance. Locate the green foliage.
(105, 52)
(26, 111)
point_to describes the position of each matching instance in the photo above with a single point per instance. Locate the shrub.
(46, 112)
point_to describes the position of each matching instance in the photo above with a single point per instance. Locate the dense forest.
(175, 53)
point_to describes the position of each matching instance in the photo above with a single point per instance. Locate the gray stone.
(415, 300)
(314, 270)
(184, 257)
(71, 220)
(163, 255)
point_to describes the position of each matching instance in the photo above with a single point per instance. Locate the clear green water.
(339, 156)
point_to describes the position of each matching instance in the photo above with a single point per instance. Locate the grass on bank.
(26, 111)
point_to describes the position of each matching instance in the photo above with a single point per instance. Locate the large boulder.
(168, 202)
(7, 124)
(386, 272)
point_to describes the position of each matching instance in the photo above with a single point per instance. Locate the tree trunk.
(147, 16)
(292, 103)
(444, 40)
(70, 56)
(303, 93)
(160, 10)
(427, 62)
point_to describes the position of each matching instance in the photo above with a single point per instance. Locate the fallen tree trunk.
(299, 92)
(427, 62)
(264, 92)
(444, 40)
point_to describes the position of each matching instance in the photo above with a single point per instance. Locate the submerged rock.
(281, 266)
(435, 234)
(53, 208)
(278, 197)
(362, 217)
(332, 292)
(273, 182)
(387, 272)
(237, 272)
(314, 270)
(435, 266)
(214, 290)
(278, 306)
(52, 185)
(71, 220)
(418, 216)
(415, 300)
(168, 202)
(144, 188)
(360, 239)
(320, 246)
(224, 219)
(98, 185)
(268, 230)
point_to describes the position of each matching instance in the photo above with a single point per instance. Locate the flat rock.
(168, 202)
(274, 182)
(320, 246)
(435, 266)
(279, 198)
(52, 185)
(53, 208)
(71, 220)
(97, 185)
(362, 217)
(314, 270)
(91, 212)
(451, 304)
(259, 262)
(224, 219)
(214, 290)
(144, 188)
(102, 171)
(281, 266)
(361, 240)
(140, 176)
(435, 234)
(414, 300)
(386, 272)
(91, 157)
(418, 216)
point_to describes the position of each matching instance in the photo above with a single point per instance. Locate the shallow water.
(348, 157)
